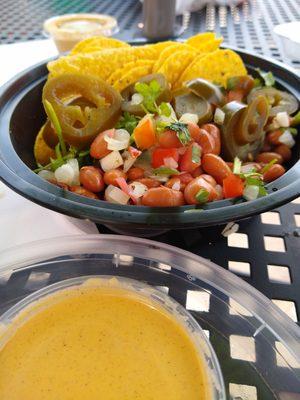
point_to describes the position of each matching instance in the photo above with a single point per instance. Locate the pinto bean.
(163, 197)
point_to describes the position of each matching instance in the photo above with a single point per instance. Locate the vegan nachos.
(162, 125)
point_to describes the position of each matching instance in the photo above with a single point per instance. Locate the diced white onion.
(128, 163)
(283, 119)
(137, 99)
(246, 168)
(219, 190)
(119, 141)
(111, 161)
(137, 189)
(230, 228)
(189, 117)
(176, 185)
(169, 162)
(159, 178)
(287, 138)
(65, 174)
(47, 175)
(251, 192)
(219, 116)
(73, 162)
(128, 160)
(115, 195)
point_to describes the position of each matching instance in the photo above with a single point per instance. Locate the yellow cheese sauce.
(93, 343)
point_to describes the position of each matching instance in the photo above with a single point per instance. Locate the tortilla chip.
(42, 152)
(160, 46)
(200, 38)
(210, 45)
(216, 67)
(97, 43)
(119, 73)
(168, 51)
(175, 64)
(132, 76)
(101, 63)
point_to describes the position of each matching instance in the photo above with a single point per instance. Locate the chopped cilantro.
(165, 171)
(267, 77)
(61, 160)
(257, 83)
(150, 93)
(161, 125)
(202, 196)
(56, 125)
(181, 130)
(268, 166)
(164, 109)
(128, 122)
(196, 154)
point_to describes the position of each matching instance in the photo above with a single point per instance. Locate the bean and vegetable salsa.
(147, 140)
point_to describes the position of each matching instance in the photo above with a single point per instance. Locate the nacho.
(42, 152)
(175, 64)
(119, 73)
(101, 63)
(97, 43)
(200, 38)
(170, 50)
(216, 67)
(210, 45)
(133, 75)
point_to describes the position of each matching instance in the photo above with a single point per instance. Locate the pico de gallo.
(152, 147)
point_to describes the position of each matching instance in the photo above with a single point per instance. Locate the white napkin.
(21, 220)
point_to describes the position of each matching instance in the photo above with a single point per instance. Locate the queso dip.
(99, 343)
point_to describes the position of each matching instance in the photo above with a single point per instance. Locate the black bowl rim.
(21, 179)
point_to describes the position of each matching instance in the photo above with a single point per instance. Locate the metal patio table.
(265, 251)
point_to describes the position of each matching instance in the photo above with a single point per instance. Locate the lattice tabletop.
(266, 250)
(249, 26)
(275, 271)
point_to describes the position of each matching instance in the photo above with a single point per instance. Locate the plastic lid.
(257, 345)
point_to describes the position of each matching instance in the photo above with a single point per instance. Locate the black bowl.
(22, 114)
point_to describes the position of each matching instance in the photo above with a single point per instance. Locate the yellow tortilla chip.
(132, 76)
(175, 64)
(42, 152)
(168, 51)
(119, 73)
(200, 38)
(101, 63)
(97, 43)
(210, 45)
(216, 67)
(160, 46)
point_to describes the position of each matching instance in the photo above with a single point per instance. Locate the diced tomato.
(134, 152)
(168, 139)
(233, 186)
(159, 155)
(191, 159)
(145, 133)
(185, 177)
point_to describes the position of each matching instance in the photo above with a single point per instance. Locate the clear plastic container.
(69, 29)
(257, 345)
(140, 291)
